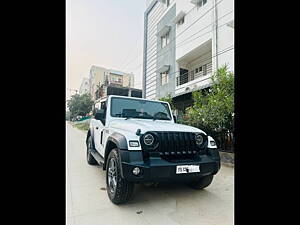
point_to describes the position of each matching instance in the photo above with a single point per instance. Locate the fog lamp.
(136, 171)
(212, 143)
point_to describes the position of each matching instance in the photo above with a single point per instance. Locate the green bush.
(80, 105)
(213, 111)
(82, 126)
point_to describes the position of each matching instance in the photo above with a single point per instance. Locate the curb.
(227, 158)
(227, 164)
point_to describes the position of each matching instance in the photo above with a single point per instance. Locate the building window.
(201, 3)
(164, 77)
(181, 21)
(116, 80)
(165, 40)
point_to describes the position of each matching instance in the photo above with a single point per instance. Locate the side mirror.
(175, 119)
(99, 115)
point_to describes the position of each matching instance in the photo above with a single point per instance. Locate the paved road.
(88, 203)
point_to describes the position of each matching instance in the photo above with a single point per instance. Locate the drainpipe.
(215, 28)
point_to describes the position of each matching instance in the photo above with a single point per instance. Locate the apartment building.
(100, 76)
(85, 86)
(185, 41)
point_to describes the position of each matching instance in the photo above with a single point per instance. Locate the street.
(167, 204)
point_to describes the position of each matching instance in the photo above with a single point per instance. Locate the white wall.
(191, 35)
(190, 38)
(153, 18)
(202, 30)
(225, 33)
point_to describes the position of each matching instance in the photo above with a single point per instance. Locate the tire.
(201, 182)
(89, 156)
(118, 189)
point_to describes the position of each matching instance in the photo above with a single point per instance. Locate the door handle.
(97, 128)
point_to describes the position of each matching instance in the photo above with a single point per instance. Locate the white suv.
(137, 140)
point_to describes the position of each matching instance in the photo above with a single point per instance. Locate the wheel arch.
(89, 133)
(115, 140)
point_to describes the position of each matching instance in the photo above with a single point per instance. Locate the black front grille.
(176, 145)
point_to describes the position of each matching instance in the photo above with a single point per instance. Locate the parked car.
(137, 140)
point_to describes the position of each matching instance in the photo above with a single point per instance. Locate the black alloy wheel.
(119, 190)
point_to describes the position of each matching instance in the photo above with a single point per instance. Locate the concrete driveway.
(168, 204)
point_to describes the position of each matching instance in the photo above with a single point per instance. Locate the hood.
(131, 125)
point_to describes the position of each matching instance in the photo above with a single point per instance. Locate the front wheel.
(119, 190)
(201, 182)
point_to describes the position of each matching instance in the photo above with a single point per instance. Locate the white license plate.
(187, 169)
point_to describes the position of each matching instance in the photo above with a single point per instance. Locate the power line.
(219, 53)
(207, 26)
(205, 13)
(130, 52)
(183, 44)
(153, 58)
(185, 16)
(131, 61)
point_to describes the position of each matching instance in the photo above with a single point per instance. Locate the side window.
(104, 106)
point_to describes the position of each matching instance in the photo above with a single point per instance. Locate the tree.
(168, 99)
(80, 105)
(213, 110)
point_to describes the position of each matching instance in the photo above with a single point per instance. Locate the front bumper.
(159, 170)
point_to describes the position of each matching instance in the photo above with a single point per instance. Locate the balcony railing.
(194, 74)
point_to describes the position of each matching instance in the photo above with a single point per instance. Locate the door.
(99, 125)
(98, 129)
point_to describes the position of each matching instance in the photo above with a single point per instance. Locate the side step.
(97, 156)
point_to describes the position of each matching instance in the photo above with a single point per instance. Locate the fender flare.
(89, 133)
(120, 141)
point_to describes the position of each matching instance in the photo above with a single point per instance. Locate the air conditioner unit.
(163, 69)
(230, 24)
(179, 16)
(196, 2)
(163, 31)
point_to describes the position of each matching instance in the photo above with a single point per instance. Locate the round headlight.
(199, 139)
(148, 139)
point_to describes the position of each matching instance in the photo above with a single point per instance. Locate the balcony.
(194, 69)
(194, 74)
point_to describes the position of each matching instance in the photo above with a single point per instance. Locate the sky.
(107, 33)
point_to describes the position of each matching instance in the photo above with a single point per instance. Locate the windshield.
(134, 108)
